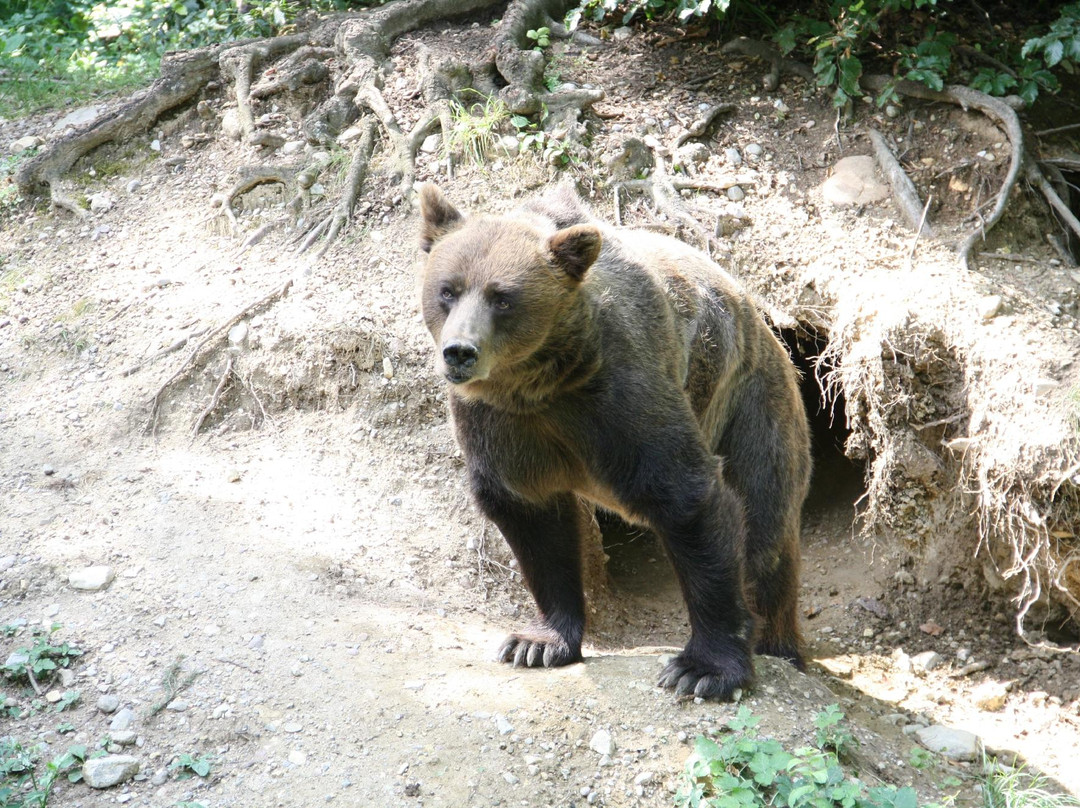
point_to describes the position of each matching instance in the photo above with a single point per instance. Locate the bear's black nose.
(460, 354)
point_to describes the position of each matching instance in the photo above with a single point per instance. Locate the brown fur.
(626, 368)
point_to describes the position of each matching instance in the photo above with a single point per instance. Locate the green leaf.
(1054, 52)
(906, 798)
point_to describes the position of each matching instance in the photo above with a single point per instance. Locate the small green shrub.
(23, 784)
(41, 659)
(189, 765)
(745, 769)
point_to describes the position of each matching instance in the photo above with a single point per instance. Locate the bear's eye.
(447, 294)
(502, 303)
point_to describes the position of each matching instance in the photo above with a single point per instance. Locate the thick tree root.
(902, 187)
(348, 53)
(993, 108)
(778, 64)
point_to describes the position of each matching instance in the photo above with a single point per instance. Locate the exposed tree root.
(1038, 179)
(226, 375)
(341, 214)
(702, 123)
(768, 53)
(993, 108)
(902, 187)
(215, 333)
(348, 53)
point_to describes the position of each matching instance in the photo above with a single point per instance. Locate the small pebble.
(108, 703)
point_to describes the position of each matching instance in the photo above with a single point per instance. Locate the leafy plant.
(476, 128)
(22, 785)
(41, 659)
(831, 732)
(745, 769)
(69, 698)
(189, 765)
(540, 36)
(1005, 787)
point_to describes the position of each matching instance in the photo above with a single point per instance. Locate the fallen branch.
(904, 192)
(184, 368)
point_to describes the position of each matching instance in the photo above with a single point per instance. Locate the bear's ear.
(575, 249)
(438, 216)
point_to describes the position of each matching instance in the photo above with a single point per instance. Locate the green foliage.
(745, 769)
(68, 699)
(831, 733)
(1005, 787)
(533, 138)
(188, 765)
(58, 51)
(41, 658)
(906, 39)
(23, 784)
(476, 128)
(540, 36)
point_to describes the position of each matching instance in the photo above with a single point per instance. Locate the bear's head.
(496, 290)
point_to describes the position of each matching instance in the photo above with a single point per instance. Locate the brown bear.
(626, 368)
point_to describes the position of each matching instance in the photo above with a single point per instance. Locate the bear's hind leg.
(546, 541)
(766, 459)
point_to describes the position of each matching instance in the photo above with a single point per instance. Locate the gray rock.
(602, 743)
(92, 579)
(990, 306)
(177, 706)
(24, 143)
(256, 642)
(111, 770)
(430, 144)
(124, 719)
(7, 562)
(509, 146)
(77, 117)
(853, 182)
(622, 33)
(133, 186)
(108, 703)
(754, 150)
(100, 203)
(230, 126)
(732, 156)
(955, 744)
(238, 334)
(927, 660)
(159, 777)
(503, 725)
(292, 146)
(695, 153)
(124, 737)
(736, 194)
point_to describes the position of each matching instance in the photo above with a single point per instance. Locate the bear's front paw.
(536, 646)
(717, 677)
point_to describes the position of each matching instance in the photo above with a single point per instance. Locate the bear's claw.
(688, 677)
